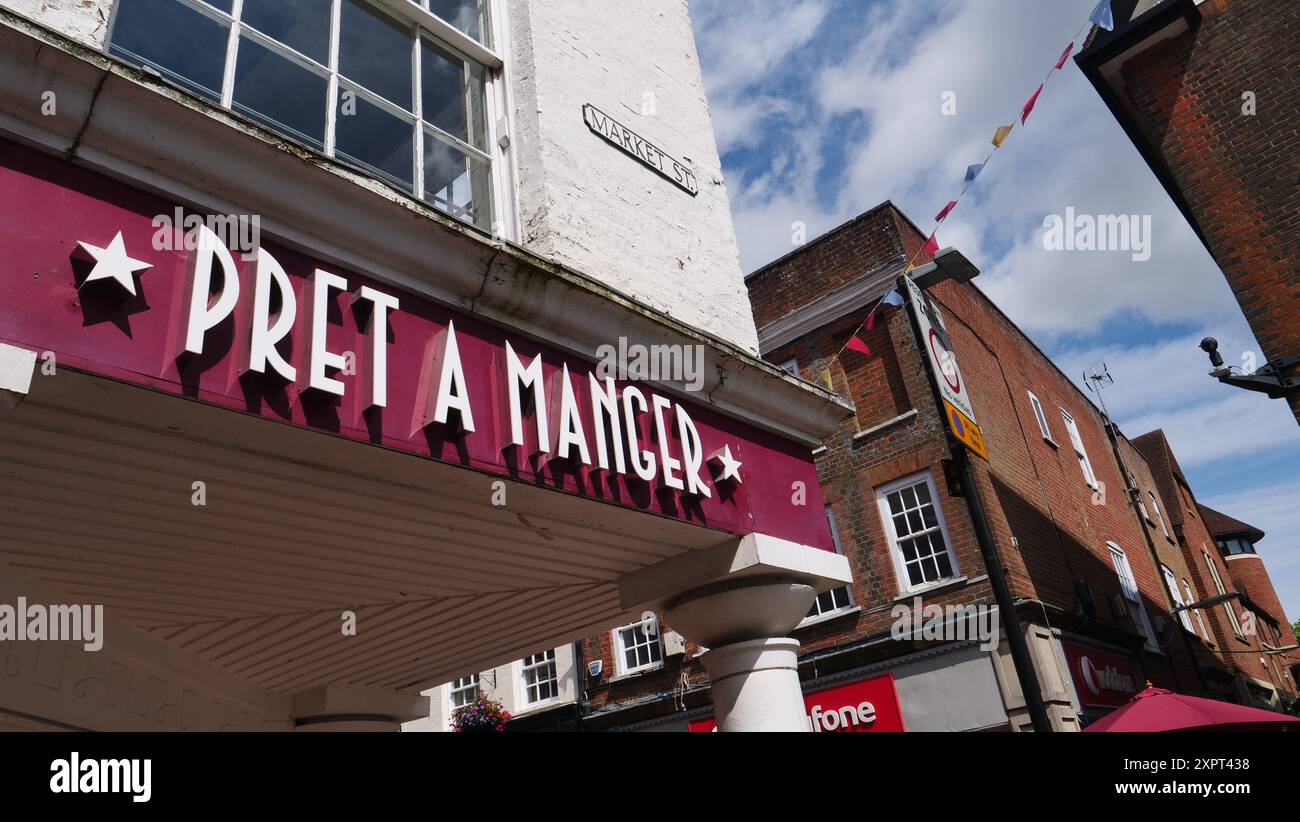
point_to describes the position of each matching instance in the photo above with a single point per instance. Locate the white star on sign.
(730, 465)
(112, 263)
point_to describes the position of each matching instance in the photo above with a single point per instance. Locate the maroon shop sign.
(1102, 680)
(858, 707)
(284, 336)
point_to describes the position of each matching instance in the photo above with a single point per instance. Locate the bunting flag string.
(1100, 16)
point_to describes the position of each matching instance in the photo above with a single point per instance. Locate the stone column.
(741, 600)
(752, 662)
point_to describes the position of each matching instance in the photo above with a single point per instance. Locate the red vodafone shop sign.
(1102, 679)
(279, 334)
(858, 707)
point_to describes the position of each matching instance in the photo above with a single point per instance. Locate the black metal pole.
(1020, 657)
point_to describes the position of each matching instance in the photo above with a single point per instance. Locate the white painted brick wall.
(586, 204)
(83, 20)
(583, 202)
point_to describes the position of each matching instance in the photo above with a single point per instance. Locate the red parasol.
(1156, 709)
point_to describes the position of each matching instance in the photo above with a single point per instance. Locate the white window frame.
(620, 647)
(1041, 417)
(525, 666)
(496, 98)
(1076, 441)
(1160, 517)
(1233, 619)
(460, 686)
(1142, 505)
(887, 523)
(1200, 619)
(1171, 582)
(791, 366)
(848, 589)
(1128, 585)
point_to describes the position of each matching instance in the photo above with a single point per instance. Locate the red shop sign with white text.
(1101, 679)
(100, 275)
(858, 707)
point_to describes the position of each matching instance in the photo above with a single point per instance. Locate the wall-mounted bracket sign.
(934, 339)
(640, 148)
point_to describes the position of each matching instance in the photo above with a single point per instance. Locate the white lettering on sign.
(1108, 678)
(675, 454)
(864, 713)
(640, 148)
(206, 313)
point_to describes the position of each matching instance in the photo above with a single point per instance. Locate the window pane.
(895, 503)
(457, 183)
(841, 597)
(909, 549)
(914, 574)
(451, 93)
(374, 138)
(184, 45)
(375, 51)
(303, 25)
(224, 5)
(281, 93)
(945, 568)
(463, 14)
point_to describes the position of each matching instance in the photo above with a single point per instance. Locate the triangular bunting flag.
(931, 245)
(892, 298)
(1029, 104)
(825, 378)
(942, 215)
(854, 344)
(973, 171)
(1001, 134)
(1065, 55)
(871, 320)
(1101, 16)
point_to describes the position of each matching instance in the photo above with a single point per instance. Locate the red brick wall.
(824, 265)
(1251, 576)
(1035, 491)
(1238, 173)
(1238, 654)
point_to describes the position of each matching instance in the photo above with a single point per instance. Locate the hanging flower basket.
(484, 714)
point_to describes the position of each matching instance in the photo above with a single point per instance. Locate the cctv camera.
(1211, 346)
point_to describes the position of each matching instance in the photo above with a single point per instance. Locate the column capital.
(752, 557)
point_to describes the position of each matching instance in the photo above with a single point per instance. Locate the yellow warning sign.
(965, 430)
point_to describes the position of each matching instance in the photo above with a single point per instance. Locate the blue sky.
(824, 108)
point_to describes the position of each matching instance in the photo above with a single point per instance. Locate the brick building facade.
(1209, 93)
(1064, 519)
(1243, 630)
